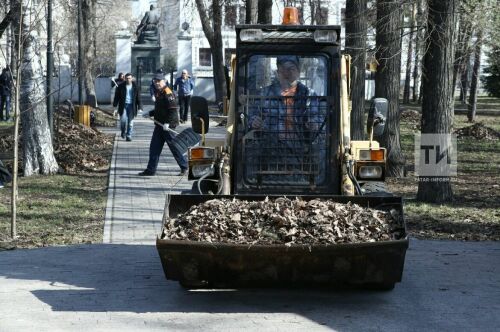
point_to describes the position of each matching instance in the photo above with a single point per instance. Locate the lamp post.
(50, 67)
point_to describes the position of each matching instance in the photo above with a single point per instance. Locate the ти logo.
(435, 155)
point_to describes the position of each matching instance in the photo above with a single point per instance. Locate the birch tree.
(38, 152)
(409, 55)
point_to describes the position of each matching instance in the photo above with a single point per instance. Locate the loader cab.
(287, 128)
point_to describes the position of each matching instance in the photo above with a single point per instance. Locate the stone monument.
(147, 31)
(146, 50)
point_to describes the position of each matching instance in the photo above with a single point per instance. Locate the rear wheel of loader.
(375, 189)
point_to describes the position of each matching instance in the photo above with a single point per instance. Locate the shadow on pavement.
(129, 278)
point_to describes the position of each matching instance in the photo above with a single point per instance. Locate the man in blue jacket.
(128, 100)
(184, 86)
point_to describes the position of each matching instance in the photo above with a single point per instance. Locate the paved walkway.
(120, 286)
(135, 203)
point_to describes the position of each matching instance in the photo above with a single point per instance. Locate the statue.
(147, 31)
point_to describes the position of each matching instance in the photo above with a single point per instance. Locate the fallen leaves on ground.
(77, 148)
(284, 221)
(478, 131)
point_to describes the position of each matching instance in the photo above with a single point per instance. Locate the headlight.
(370, 172)
(371, 155)
(325, 36)
(201, 153)
(251, 35)
(200, 170)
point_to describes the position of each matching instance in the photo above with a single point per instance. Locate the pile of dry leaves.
(77, 148)
(411, 116)
(283, 221)
(478, 131)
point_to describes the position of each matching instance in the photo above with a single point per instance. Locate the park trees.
(437, 102)
(387, 79)
(356, 30)
(211, 22)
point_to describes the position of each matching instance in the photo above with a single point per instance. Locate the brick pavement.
(135, 204)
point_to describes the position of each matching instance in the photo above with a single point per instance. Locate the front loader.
(318, 160)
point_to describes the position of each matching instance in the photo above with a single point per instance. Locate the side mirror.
(377, 116)
(199, 114)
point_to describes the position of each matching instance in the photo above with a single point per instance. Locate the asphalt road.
(447, 286)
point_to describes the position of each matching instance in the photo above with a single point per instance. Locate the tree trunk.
(406, 91)
(89, 27)
(356, 28)
(387, 78)
(251, 11)
(38, 157)
(314, 7)
(471, 108)
(462, 54)
(265, 9)
(212, 29)
(464, 81)
(417, 62)
(7, 20)
(15, 31)
(437, 105)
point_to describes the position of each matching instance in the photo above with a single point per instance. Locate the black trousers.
(184, 107)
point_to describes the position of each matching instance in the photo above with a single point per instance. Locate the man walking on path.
(5, 90)
(128, 100)
(184, 86)
(165, 116)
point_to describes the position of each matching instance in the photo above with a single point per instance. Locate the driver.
(295, 112)
(289, 128)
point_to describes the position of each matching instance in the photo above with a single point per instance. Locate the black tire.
(375, 189)
(380, 286)
(194, 284)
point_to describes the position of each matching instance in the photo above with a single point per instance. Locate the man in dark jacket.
(165, 116)
(128, 100)
(5, 91)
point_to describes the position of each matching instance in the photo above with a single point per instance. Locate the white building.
(183, 39)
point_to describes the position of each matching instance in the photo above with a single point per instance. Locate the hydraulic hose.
(221, 179)
(353, 178)
(203, 177)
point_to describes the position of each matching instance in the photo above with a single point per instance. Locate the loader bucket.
(220, 265)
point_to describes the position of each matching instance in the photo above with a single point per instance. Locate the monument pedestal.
(145, 62)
